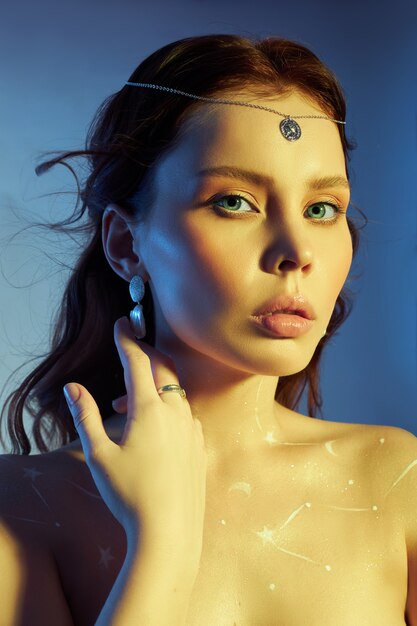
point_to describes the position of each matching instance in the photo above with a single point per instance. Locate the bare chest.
(314, 551)
(315, 544)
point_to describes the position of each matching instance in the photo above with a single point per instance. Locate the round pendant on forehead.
(290, 129)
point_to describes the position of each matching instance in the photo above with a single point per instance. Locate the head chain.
(290, 130)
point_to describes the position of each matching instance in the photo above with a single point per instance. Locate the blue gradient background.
(60, 60)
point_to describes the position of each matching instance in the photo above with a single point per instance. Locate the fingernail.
(72, 393)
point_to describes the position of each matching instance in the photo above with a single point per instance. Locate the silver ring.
(176, 388)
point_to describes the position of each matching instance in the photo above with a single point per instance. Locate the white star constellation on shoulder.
(33, 474)
(270, 536)
(267, 536)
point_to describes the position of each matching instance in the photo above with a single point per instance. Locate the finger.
(120, 404)
(173, 398)
(163, 367)
(86, 416)
(137, 370)
(163, 372)
(145, 368)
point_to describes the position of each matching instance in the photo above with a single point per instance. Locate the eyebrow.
(323, 182)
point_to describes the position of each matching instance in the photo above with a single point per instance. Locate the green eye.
(321, 205)
(235, 201)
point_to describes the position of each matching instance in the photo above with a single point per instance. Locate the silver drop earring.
(137, 319)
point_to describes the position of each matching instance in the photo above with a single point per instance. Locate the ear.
(118, 239)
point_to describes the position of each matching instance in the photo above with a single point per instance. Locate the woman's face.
(209, 269)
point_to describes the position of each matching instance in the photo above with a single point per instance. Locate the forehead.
(222, 134)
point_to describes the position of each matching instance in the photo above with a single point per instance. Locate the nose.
(290, 250)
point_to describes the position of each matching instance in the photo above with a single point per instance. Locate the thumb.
(86, 416)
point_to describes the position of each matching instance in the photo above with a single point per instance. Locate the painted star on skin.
(31, 473)
(106, 556)
(267, 535)
(270, 438)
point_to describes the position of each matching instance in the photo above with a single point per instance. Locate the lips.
(295, 304)
(284, 326)
(286, 312)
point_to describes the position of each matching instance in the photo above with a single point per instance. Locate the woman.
(207, 498)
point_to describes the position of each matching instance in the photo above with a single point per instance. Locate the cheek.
(339, 264)
(347, 256)
(189, 264)
(221, 264)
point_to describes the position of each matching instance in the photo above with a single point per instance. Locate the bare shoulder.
(391, 456)
(41, 493)
(391, 441)
(396, 464)
(400, 473)
(52, 508)
(388, 455)
(25, 596)
(47, 495)
(398, 468)
(391, 453)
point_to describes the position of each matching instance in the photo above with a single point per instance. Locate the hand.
(155, 478)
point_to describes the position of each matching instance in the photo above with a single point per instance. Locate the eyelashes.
(240, 214)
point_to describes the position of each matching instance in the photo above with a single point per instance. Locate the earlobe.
(117, 239)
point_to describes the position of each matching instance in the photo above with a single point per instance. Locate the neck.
(237, 409)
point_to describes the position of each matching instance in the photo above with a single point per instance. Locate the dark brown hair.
(130, 132)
